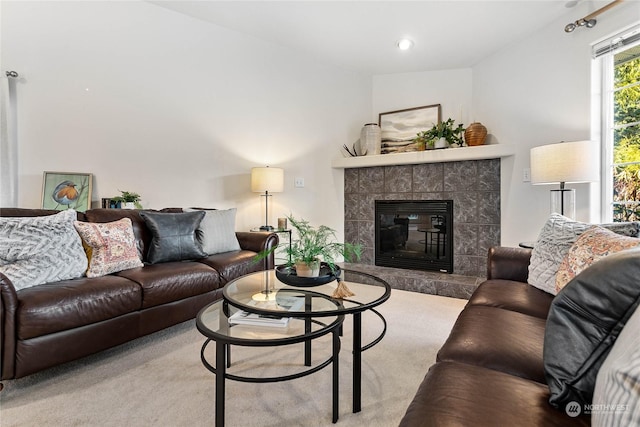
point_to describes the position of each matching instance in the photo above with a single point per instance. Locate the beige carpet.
(159, 380)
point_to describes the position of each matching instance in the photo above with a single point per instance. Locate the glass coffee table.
(315, 314)
(213, 322)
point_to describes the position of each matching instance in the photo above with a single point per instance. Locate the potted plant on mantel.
(129, 200)
(441, 135)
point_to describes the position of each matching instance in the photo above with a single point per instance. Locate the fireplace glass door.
(414, 234)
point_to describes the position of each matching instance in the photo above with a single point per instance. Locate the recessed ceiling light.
(404, 44)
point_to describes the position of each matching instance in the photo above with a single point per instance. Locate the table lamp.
(267, 180)
(561, 163)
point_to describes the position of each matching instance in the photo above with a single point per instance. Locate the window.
(620, 59)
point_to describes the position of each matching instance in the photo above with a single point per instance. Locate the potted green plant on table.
(441, 135)
(129, 200)
(312, 248)
(314, 245)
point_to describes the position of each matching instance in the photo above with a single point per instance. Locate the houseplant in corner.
(441, 135)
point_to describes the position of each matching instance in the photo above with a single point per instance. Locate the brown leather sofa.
(490, 370)
(53, 323)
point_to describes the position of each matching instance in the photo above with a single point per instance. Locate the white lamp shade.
(565, 162)
(267, 179)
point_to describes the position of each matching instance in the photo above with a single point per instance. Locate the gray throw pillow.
(584, 321)
(42, 249)
(557, 236)
(174, 236)
(217, 231)
(617, 391)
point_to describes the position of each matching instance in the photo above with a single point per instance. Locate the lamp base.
(563, 201)
(264, 296)
(266, 228)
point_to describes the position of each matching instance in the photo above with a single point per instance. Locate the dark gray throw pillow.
(584, 321)
(174, 236)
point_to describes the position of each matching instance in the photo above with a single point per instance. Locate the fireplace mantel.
(481, 152)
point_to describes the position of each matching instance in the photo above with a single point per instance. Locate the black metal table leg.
(307, 330)
(357, 362)
(336, 374)
(221, 372)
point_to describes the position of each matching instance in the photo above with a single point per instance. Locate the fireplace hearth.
(414, 234)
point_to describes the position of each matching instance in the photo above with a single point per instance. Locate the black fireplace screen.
(415, 234)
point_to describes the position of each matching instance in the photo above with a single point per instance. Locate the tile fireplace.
(472, 185)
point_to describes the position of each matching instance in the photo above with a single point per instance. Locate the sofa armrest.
(508, 263)
(257, 242)
(8, 308)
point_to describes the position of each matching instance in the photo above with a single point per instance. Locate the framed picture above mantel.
(401, 127)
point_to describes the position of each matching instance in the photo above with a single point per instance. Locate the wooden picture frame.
(399, 128)
(66, 190)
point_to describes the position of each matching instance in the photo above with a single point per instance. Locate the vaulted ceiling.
(361, 35)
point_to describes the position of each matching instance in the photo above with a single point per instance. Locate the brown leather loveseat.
(490, 370)
(49, 324)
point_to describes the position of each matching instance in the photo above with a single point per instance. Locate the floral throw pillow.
(111, 246)
(592, 245)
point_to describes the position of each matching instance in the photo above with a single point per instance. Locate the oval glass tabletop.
(262, 292)
(213, 322)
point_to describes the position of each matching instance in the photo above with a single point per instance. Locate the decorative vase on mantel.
(475, 134)
(371, 139)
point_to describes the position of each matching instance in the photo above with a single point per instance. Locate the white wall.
(176, 109)
(452, 89)
(538, 92)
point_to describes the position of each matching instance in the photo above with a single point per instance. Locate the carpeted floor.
(159, 380)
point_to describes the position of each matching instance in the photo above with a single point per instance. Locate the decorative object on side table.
(475, 134)
(399, 128)
(67, 190)
(128, 200)
(441, 135)
(306, 252)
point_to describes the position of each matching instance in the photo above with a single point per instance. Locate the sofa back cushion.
(584, 321)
